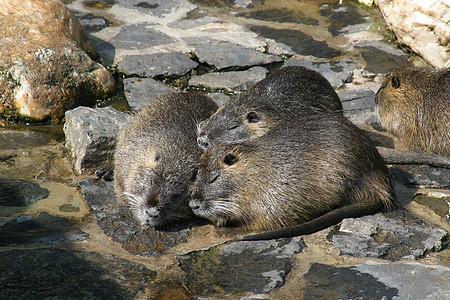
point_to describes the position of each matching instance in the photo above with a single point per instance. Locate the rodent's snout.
(202, 141)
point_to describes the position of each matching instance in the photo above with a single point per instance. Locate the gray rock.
(118, 223)
(422, 175)
(391, 236)
(141, 91)
(336, 72)
(90, 22)
(135, 37)
(344, 19)
(301, 43)
(16, 192)
(382, 58)
(91, 135)
(157, 65)
(157, 8)
(329, 282)
(259, 266)
(48, 273)
(233, 80)
(224, 55)
(403, 277)
(43, 228)
(359, 106)
(192, 23)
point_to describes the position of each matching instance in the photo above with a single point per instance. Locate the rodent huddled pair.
(279, 155)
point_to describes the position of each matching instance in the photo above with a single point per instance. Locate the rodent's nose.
(194, 204)
(202, 141)
(152, 212)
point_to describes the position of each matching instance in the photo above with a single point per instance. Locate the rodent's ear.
(252, 117)
(395, 82)
(230, 159)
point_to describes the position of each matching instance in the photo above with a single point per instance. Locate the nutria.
(414, 105)
(287, 93)
(157, 154)
(317, 167)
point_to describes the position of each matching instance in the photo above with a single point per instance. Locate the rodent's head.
(217, 184)
(157, 193)
(234, 123)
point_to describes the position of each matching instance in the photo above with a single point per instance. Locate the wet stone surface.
(298, 41)
(260, 266)
(140, 91)
(391, 236)
(86, 275)
(158, 64)
(16, 192)
(282, 15)
(329, 282)
(118, 223)
(343, 18)
(422, 175)
(43, 228)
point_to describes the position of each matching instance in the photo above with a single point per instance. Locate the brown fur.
(295, 173)
(157, 154)
(414, 105)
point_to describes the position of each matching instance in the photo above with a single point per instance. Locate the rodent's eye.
(232, 127)
(194, 175)
(230, 159)
(157, 157)
(252, 117)
(395, 82)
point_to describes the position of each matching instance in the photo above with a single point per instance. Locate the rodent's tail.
(329, 219)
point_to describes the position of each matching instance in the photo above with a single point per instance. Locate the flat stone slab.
(336, 72)
(259, 267)
(224, 55)
(141, 91)
(14, 140)
(383, 58)
(344, 19)
(392, 236)
(157, 65)
(300, 42)
(422, 176)
(43, 228)
(17, 192)
(329, 282)
(91, 135)
(118, 223)
(377, 281)
(359, 106)
(233, 80)
(60, 274)
(280, 15)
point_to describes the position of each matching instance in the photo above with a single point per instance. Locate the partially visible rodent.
(414, 105)
(287, 94)
(317, 170)
(157, 155)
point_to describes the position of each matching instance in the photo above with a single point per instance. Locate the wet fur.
(418, 110)
(156, 157)
(288, 93)
(295, 173)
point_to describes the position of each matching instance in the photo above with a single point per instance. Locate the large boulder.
(46, 61)
(423, 25)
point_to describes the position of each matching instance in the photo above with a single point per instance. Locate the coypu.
(285, 94)
(157, 155)
(414, 105)
(317, 170)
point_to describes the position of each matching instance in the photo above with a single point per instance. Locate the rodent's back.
(300, 171)
(414, 105)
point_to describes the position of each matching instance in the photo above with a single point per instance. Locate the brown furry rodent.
(414, 105)
(157, 156)
(285, 94)
(317, 170)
